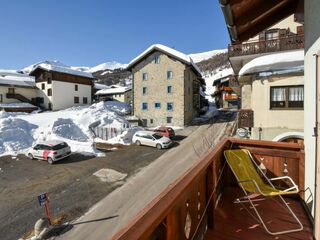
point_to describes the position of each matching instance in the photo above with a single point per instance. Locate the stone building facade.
(165, 87)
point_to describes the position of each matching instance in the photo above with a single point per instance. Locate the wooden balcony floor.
(233, 221)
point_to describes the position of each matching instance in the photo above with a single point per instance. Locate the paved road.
(71, 186)
(114, 211)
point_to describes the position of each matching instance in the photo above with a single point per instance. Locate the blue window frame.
(169, 89)
(170, 106)
(144, 76)
(157, 105)
(144, 90)
(145, 106)
(169, 74)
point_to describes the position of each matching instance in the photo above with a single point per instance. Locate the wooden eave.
(246, 19)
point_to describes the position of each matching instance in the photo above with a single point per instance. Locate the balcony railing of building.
(291, 42)
(198, 205)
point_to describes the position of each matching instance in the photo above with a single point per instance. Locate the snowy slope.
(19, 131)
(101, 67)
(107, 66)
(198, 57)
(216, 74)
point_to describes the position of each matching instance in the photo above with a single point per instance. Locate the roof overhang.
(245, 19)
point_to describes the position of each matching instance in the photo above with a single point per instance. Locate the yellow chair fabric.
(242, 166)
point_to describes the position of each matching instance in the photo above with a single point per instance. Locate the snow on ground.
(293, 60)
(198, 57)
(19, 131)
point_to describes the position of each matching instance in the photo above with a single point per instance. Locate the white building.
(60, 86)
(116, 93)
(18, 91)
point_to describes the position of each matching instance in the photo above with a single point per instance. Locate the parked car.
(50, 151)
(150, 138)
(165, 131)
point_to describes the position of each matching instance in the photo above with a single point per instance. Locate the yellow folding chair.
(249, 177)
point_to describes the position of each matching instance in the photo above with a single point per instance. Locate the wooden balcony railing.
(283, 44)
(186, 209)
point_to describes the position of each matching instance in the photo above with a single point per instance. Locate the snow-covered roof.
(100, 86)
(198, 57)
(57, 66)
(14, 78)
(113, 90)
(169, 51)
(292, 61)
(17, 105)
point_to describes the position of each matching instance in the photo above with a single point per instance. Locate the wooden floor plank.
(234, 222)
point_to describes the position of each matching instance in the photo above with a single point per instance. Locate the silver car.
(149, 138)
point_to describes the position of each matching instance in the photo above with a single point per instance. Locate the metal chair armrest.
(290, 179)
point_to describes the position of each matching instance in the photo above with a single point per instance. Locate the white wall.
(43, 93)
(26, 92)
(310, 99)
(63, 94)
(268, 118)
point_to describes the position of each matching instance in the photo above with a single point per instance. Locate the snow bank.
(19, 131)
(15, 134)
(293, 60)
(198, 57)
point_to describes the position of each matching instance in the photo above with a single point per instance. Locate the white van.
(149, 138)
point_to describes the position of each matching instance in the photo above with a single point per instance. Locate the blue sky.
(89, 32)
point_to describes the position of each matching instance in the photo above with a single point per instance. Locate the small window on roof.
(157, 59)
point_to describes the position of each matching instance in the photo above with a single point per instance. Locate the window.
(169, 119)
(76, 100)
(144, 76)
(43, 86)
(286, 97)
(169, 89)
(157, 105)
(76, 87)
(1, 98)
(85, 100)
(144, 106)
(49, 80)
(170, 106)
(50, 106)
(169, 74)
(151, 121)
(11, 90)
(157, 59)
(49, 92)
(144, 90)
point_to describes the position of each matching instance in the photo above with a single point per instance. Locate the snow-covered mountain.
(199, 57)
(101, 67)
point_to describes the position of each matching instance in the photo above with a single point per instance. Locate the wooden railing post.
(172, 226)
(211, 202)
